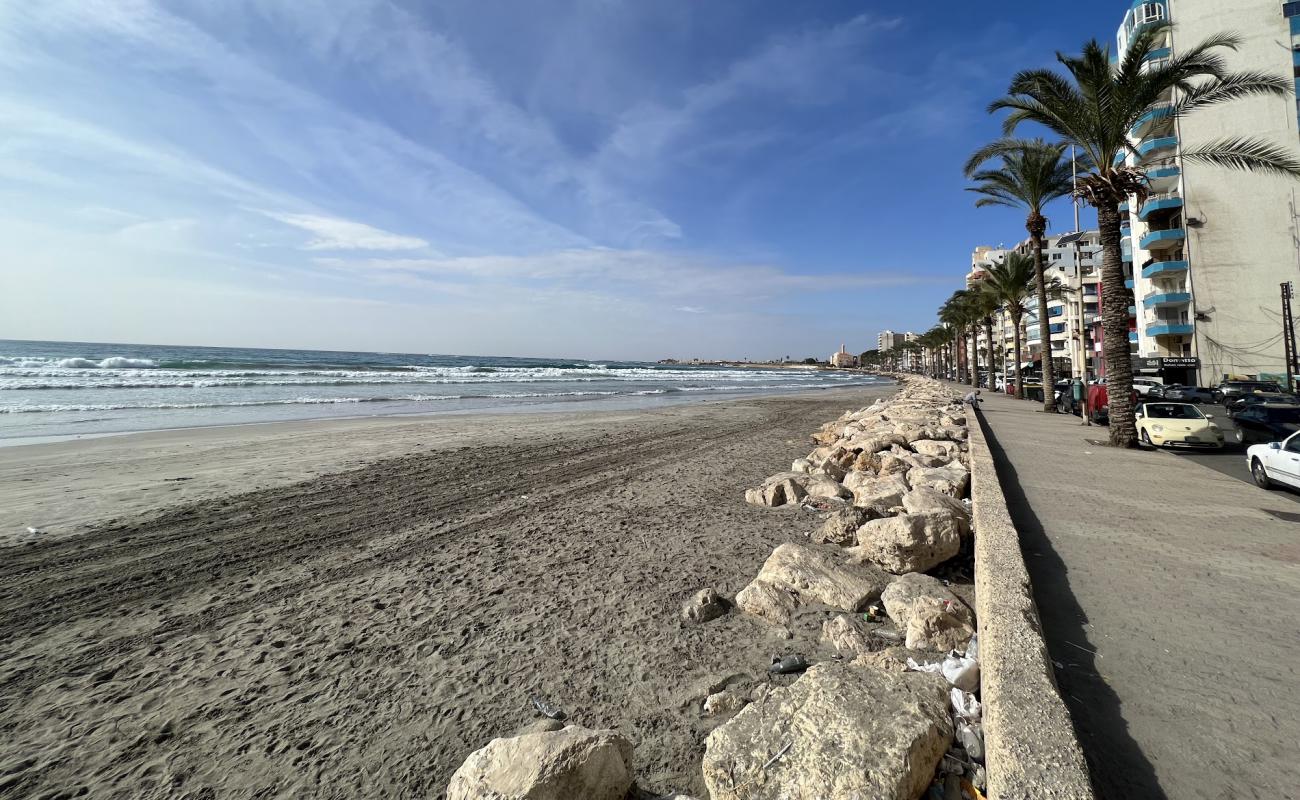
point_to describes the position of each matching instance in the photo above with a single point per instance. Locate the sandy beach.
(349, 608)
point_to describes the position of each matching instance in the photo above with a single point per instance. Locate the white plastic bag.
(965, 705)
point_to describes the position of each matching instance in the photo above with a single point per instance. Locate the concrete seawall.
(1030, 746)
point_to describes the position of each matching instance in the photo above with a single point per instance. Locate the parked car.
(1099, 402)
(1267, 422)
(1181, 392)
(1277, 462)
(1144, 385)
(1162, 424)
(1231, 390)
(1249, 400)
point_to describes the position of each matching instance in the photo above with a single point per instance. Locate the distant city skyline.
(634, 181)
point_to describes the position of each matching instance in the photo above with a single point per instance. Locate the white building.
(1210, 247)
(843, 359)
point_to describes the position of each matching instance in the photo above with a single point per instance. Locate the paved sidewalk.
(1170, 600)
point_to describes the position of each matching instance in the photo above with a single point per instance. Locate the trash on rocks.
(965, 705)
(546, 709)
(887, 635)
(961, 671)
(973, 649)
(787, 665)
(971, 737)
(34, 531)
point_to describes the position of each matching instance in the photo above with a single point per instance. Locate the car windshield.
(1283, 414)
(1174, 411)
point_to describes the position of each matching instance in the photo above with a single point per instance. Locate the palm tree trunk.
(1015, 333)
(1114, 325)
(988, 357)
(973, 362)
(1044, 329)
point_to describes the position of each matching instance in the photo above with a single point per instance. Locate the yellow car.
(1177, 424)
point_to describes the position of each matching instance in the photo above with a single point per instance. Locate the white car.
(1275, 463)
(1144, 385)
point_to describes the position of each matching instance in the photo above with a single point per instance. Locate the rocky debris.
(798, 574)
(778, 490)
(724, 703)
(704, 606)
(552, 765)
(909, 542)
(849, 637)
(791, 487)
(932, 617)
(840, 732)
(841, 527)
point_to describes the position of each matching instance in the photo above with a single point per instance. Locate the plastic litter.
(546, 709)
(887, 635)
(971, 737)
(973, 649)
(965, 705)
(34, 531)
(787, 665)
(961, 671)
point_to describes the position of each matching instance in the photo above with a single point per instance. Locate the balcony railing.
(1158, 144)
(1158, 268)
(1162, 299)
(1152, 116)
(1162, 239)
(1160, 201)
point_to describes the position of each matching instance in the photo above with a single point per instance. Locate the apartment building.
(1072, 339)
(1209, 248)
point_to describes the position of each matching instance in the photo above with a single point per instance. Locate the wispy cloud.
(341, 234)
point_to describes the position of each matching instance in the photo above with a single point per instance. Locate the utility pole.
(1288, 334)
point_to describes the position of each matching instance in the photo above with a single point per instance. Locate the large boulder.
(799, 574)
(765, 601)
(841, 527)
(847, 636)
(909, 542)
(946, 450)
(552, 765)
(923, 500)
(779, 490)
(873, 442)
(872, 492)
(825, 486)
(840, 732)
(951, 480)
(931, 616)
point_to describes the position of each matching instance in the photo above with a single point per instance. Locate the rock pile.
(883, 719)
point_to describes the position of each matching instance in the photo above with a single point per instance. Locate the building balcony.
(1126, 248)
(1133, 336)
(1128, 284)
(1160, 202)
(1159, 268)
(1164, 176)
(1169, 328)
(1132, 311)
(1156, 146)
(1153, 116)
(1166, 299)
(1123, 207)
(1162, 240)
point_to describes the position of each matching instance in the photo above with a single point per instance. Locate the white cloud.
(690, 310)
(333, 233)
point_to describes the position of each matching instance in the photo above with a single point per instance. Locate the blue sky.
(638, 179)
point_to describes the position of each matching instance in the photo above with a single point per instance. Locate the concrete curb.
(1031, 752)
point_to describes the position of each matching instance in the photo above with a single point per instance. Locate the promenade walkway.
(1170, 600)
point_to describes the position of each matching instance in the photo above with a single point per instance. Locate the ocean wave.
(417, 398)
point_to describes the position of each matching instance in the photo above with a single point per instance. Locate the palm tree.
(1033, 173)
(1094, 108)
(956, 314)
(983, 307)
(1010, 283)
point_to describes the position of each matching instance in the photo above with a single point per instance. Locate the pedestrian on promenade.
(972, 398)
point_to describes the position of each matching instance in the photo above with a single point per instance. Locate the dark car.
(1249, 400)
(1181, 392)
(1231, 390)
(1267, 423)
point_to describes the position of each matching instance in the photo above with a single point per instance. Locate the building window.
(1149, 12)
(1291, 9)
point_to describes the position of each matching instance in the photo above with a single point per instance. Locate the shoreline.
(355, 607)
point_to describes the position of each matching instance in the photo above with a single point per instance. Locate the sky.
(632, 179)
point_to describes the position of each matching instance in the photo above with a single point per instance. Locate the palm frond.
(1247, 154)
(1232, 87)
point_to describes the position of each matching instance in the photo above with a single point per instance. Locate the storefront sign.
(1158, 363)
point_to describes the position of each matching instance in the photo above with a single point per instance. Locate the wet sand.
(348, 608)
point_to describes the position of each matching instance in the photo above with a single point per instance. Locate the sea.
(56, 390)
